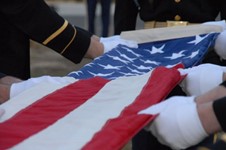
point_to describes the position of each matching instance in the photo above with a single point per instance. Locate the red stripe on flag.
(47, 111)
(118, 131)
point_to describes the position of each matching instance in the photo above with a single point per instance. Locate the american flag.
(96, 112)
(89, 114)
(124, 61)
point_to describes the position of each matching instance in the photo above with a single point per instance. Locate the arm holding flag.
(195, 117)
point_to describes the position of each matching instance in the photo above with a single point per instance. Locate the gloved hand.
(178, 125)
(2, 111)
(220, 43)
(201, 79)
(19, 87)
(111, 42)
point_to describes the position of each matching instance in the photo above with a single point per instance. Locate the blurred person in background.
(105, 15)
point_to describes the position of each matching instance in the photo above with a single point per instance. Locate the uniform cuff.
(78, 46)
(220, 111)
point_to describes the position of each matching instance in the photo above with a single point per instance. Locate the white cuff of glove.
(190, 127)
(113, 41)
(220, 45)
(17, 88)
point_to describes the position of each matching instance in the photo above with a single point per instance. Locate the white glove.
(220, 45)
(201, 79)
(111, 42)
(19, 87)
(2, 111)
(178, 125)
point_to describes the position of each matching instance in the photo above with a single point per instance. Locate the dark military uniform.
(193, 11)
(33, 19)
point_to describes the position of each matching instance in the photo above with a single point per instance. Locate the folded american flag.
(95, 112)
(124, 61)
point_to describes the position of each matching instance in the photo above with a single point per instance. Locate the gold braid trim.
(55, 34)
(203, 148)
(215, 138)
(75, 32)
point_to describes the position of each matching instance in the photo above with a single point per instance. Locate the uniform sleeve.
(125, 16)
(37, 20)
(219, 107)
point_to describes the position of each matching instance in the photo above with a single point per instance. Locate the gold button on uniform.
(177, 1)
(177, 18)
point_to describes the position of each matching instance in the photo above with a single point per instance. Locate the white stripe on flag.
(107, 103)
(80, 115)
